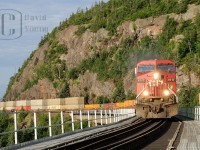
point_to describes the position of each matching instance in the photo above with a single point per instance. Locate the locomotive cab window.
(165, 67)
(146, 68)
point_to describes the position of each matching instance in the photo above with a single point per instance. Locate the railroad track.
(141, 138)
(75, 144)
(136, 135)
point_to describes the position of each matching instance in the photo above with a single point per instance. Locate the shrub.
(56, 120)
(188, 96)
(119, 93)
(102, 100)
(130, 96)
(42, 121)
(65, 91)
(81, 30)
(73, 73)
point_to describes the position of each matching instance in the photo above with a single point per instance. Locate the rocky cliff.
(75, 61)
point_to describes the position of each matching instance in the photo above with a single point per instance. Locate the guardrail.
(93, 117)
(193, 113)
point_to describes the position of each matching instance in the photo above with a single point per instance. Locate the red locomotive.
(156, 89)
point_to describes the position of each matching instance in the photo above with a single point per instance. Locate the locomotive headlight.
(155, 75)
(145, 93)
(166, 93)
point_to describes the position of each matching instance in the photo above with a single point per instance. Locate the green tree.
(56, 120)
(42, 121)
(65, 91)
(102, 100)
(119, 93)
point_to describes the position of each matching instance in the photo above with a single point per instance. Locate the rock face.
(79, 48)
(129, 82)
(43, 90)
(183, 80)
(193, 10)
(84, 46)
(150, 26)
(27, 74)
(89, 80)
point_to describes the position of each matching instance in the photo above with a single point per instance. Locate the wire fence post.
(15, 125)
(118, 114)
(131, 113)
(35, 125)
(118, 117)
(121, 114)
(101, 118)
(114, 115)
(124, 114)
(50, 129)
(110, 116)
(89, 118)
(72, 114)
(95, 117)
(81, 119)
(62, 121)
(106, 117)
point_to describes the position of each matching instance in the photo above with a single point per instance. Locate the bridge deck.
(67, 137)
(190, 138)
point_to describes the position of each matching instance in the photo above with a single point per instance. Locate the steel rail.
(115, 136)
(138, 140)
(82, 142)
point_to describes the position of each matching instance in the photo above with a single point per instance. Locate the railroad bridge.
(110, 128)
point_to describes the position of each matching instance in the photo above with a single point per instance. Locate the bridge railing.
(92, 117)
(193, 113)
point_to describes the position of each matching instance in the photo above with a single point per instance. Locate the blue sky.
(14, 52)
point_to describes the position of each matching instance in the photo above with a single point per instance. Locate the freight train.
(70, 103)
(156, 89)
